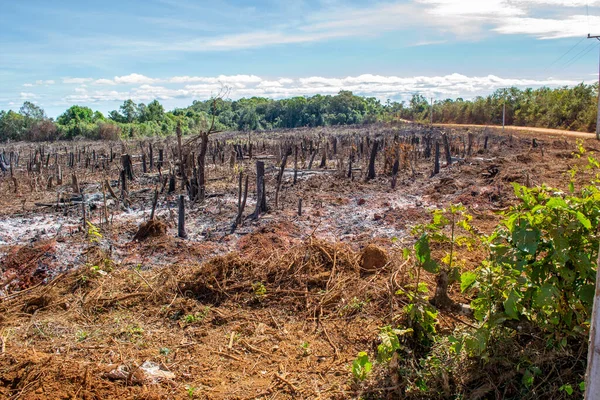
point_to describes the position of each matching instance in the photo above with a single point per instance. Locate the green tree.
(32, 111)
(129, 110)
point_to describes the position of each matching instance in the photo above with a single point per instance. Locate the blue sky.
(60, 53)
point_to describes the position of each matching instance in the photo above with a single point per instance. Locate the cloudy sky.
(59, 53)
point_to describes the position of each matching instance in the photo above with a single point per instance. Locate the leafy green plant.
(93, 233)
(355, 305)
(450, 228)
(541, 267)
(305, 347)
(390, 342)
(361, 366)
(421, 315)
(259, 289)
(81, 335)
(164, 351)
(190, 391)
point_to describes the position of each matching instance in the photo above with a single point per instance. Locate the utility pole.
(592, 375)
(598, 113)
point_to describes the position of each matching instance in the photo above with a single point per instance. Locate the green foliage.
(567, 108)
(542, 262)
(259, 289)
(93, 233)
(354, 306)
(190, 391)
(572, 108)
(390, 342)
(81, 335)
(164, 351)
(361, 366)
(196, 317)
(450, 226)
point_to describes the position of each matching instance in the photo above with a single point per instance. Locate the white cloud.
(103, 82)
(28, 96)
(76, 81)
(225, 79)
(133, 79)
(545, 28)
(40, 82)
(380, 86)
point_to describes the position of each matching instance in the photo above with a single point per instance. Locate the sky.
(98, 54)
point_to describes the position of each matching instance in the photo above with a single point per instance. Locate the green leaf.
(361, 366)
(406, 253)
(431, 266)
(467, 279)
(544, 296)
(568, 389)
(527, 378)
(510, 305)
(526, 238)
(584, 221)
(422, 250)
(586, 294)
(556, 203)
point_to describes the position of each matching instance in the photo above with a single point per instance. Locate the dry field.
(276, 307)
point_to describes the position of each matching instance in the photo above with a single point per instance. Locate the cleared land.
(277, 309)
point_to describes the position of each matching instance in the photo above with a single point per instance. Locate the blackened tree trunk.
(181, 220)
(295, 164)
(261, 198)
(371, 173)
(280, 178)
(127, 166)
(436, 163)
(151, 155)
(201, 165)
(447, 149)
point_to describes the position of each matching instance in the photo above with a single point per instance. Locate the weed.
(196, 317)
(305, 347)
(190, 391)
(93, 233)
(164, 351)
(81, 335)
(361, 366)
(259, 289)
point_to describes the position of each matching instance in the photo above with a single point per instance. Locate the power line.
(583, 55)
(564, 54)
(579, 55)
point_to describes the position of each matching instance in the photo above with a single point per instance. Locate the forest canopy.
(571, 108)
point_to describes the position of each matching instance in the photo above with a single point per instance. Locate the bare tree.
(203, 138)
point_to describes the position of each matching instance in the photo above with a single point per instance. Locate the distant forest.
(572, 108)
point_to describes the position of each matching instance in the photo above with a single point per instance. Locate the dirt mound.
(373, 258)
(270, 238)
(285, 278)
(150, 228)
(25, 266)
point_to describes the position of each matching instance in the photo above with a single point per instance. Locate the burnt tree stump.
(371, 173)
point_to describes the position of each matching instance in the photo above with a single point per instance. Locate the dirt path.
(527, 129)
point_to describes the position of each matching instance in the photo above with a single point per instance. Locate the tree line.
(572, 108)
